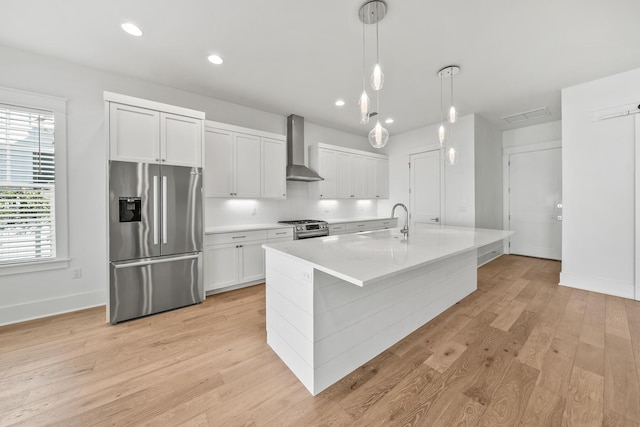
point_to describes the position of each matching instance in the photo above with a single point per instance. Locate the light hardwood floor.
(519, 351)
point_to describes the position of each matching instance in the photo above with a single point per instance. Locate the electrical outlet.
(77, 273)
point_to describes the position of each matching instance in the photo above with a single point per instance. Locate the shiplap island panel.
(334, 303)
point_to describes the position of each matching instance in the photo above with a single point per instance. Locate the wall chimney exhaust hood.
(296, 170)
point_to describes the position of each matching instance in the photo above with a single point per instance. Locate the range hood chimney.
(296, 170)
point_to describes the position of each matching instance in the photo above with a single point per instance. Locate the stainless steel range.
(308, 228)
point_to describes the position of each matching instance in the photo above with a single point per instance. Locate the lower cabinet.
(236, 259)
(359, 227)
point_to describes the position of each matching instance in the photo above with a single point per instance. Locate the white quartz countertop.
(345, 220)
(367, 257)
(245, 227)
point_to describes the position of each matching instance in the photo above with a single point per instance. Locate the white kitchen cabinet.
(349, 174)
(274, 167)
(344, 175)
(232, 164)
(370, 177)
(241, 162)
(336, 229)
(328, 188)
(236, 259)
(138, 134)
(180, 140)
(361, 226)
(382, 178)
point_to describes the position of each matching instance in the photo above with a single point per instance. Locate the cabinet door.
(247, 161)
(328, 170)
(221, 266)
(344, 176)
(382, 179)
(134, 134)
(180, 140)
(218, 163)
(358, 189)
(252, 267)
(274, 165)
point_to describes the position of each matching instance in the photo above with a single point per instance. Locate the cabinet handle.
(352, 195)
(284, 232)
(238, 246)
(238, 237)
(360, 225)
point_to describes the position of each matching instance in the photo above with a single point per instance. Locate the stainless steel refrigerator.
(155, 238)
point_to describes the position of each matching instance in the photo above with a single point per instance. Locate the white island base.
(324, 319)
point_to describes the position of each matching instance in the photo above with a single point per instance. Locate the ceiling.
(293, 56)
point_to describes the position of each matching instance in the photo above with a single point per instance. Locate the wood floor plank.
(509, 315)
(584, 405)
(534, 349)
(210, 365)
(511, 397)
(621, 390)
(445, 356)
(544, 409)
(616, 322)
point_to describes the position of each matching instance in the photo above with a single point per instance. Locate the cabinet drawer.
(337, 229)
(240, 236)
(280, 233)
(355, 227)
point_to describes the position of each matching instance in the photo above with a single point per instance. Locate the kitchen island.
(333, 303)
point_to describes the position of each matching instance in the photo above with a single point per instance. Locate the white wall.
(34, 295)
(488, 174)
(459, 205)
(544, 132)
(598, 166)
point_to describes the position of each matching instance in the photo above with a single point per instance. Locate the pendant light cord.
(364, 85)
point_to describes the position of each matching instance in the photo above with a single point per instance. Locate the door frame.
(637, 213)
(506, 177)
(426, 149)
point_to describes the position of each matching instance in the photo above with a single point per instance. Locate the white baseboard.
(49, 307)
(597, 284)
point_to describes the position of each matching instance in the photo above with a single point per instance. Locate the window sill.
(34, 266)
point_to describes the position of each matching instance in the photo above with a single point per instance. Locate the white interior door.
(425, 188)
(535, 203)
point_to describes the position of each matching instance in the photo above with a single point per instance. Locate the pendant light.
(450, 153)
(364, 101)
(378, 136)
(372, 12)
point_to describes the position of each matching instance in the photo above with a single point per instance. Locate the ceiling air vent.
(528, 115)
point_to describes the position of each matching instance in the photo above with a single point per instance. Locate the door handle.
(156, 208)
(164, 209)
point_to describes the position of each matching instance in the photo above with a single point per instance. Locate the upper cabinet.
(244, 163)
(149, 132)
(349, 174)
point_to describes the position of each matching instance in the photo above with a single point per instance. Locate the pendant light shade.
(451, 156)
(364, 104)
(377, 77)
(441, 134)
(453, 114)
(378, 136)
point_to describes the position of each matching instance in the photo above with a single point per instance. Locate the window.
(32, 140)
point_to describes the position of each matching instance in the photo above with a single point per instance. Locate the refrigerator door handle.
(164, 209)
(155, 210)
(118, 265)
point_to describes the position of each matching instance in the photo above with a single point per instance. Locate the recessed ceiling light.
(339, 102)
(215, 59)
(389, 121)
(132, 29)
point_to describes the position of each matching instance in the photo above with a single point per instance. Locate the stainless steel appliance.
(308, 228)
(155, 238)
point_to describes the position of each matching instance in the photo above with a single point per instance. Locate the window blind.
(27, 184)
